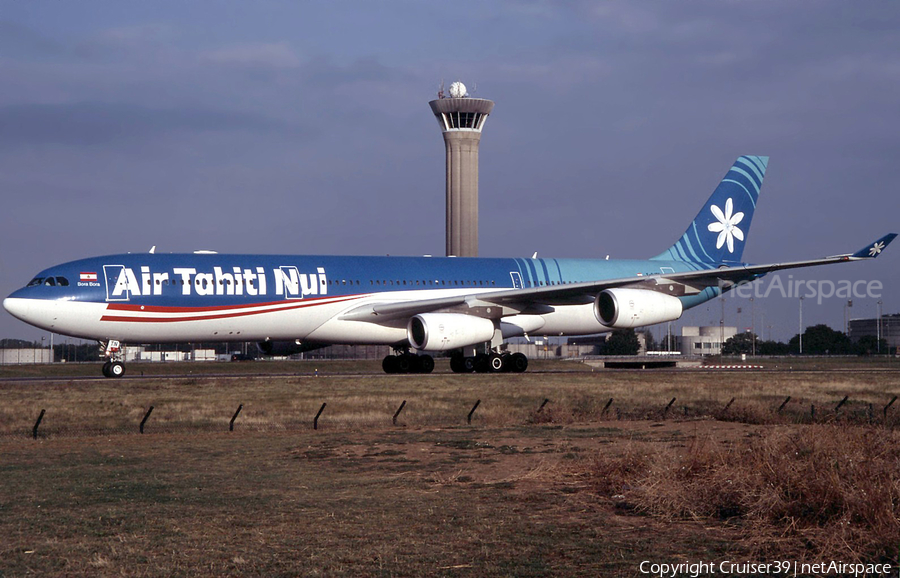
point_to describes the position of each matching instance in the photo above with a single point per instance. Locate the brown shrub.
(807, 491)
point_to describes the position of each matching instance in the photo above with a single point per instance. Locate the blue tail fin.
(718, 233)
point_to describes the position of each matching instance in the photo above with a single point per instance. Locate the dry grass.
(400, 502)
(288, 400)
(519, 492)
(810, 492)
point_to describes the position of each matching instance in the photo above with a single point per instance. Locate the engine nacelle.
(286, 348)
(444, 331)
(626, 308)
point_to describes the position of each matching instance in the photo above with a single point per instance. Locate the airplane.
(466, 307)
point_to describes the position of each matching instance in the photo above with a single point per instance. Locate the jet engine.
(444, 331)
(286, 348)
(625, 308)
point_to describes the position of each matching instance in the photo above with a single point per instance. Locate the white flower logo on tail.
(727, 225)
(876, 248)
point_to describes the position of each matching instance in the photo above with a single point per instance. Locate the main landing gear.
(407, 362)
(114, 366)
(489, 363)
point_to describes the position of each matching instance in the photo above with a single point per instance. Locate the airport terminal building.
(704, 340)
(887, 327)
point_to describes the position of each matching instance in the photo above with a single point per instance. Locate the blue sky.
(304, 127)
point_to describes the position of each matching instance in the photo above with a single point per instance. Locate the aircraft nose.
(16, 307)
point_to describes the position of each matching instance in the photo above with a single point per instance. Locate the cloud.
(267, 55)
(100, 123)
(23, 42)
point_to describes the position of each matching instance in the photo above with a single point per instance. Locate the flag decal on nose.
(88, 277)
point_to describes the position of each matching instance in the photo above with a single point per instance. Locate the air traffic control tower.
(461, 119)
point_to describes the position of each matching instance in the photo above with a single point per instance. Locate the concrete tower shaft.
(461, 121)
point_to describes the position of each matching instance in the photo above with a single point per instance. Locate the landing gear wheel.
(426, 364)
(517, 362)
(389, 364)
(458, 364)
(497, 363)
(116, 369)
(469, 364)
(405, 363)
(106, 369)
(482, 363)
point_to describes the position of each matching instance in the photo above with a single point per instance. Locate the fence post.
(474, 407)
(841, 403)
(784, 403)
(316, 419)
(146, 417)
(234, 417)
(888, 406)
(606, 407)
(545, 402)
(397, 413)
(666, 411)
(727, 405)
(37, 424)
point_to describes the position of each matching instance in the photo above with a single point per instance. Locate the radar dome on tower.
(458, 90)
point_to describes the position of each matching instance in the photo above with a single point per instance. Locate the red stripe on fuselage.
(230, 309)
(160, 309)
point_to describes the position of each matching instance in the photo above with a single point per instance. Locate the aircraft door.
(116, 283)
(516, 280)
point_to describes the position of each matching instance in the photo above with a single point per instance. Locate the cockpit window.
(49, 282)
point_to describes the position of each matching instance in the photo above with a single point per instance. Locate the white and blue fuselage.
(423, 303)
(211, 297)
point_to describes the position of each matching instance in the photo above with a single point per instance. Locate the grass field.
(575, 489)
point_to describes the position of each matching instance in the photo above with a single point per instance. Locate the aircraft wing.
(533, 299)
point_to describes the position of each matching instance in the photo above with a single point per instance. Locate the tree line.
(817, 340)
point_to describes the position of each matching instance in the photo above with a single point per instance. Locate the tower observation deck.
(461, 119)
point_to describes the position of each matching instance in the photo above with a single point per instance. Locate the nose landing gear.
(112, 351)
